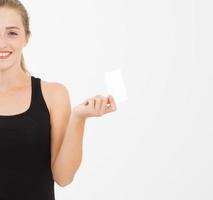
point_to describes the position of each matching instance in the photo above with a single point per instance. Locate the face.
(12, 38)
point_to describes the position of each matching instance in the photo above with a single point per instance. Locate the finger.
(91, 103)
(104, 106)
(99, 99)
(112, 106)
(103, 102)
(86, 102)
(109, 109)
(112, 102)
(98, 103)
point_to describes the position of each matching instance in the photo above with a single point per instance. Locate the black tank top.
(25, 156)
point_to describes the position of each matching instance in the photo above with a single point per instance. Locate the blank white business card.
(115, 85)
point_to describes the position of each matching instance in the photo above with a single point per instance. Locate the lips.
(5, 54)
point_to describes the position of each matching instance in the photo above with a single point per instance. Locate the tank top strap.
(37, 96)
(36, 88)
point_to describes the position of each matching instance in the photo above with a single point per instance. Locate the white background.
(158, 144)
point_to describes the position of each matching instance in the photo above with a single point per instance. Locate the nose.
(2, 42)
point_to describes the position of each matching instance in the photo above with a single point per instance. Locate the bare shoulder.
(55, 94)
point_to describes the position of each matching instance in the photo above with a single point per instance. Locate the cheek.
(16, 45)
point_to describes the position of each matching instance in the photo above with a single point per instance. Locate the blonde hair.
(19, 7)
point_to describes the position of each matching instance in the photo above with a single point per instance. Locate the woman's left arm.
(70, 154)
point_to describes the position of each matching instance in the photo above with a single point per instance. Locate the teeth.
(4, 54)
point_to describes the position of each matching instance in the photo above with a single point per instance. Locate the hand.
(95, 107)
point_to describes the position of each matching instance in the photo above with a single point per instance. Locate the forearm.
(70, 154)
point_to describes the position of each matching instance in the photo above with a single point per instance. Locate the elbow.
(64, 182)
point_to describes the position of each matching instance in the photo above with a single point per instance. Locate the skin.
(67, 124)
(11, 74)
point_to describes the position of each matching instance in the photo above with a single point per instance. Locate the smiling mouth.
(5, 55)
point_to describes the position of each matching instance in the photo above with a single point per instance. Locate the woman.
(40, 139)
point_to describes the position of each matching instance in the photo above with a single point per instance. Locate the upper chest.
(18, 100)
